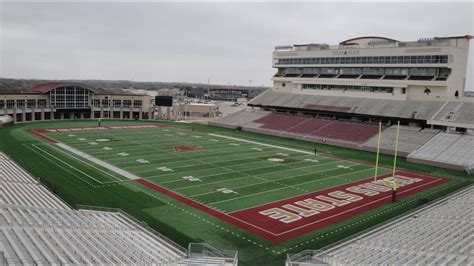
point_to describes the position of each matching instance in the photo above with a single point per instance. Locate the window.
(41, 103)
(406, 60)
(69, 97)
(348, 88)
(105, 103)
(96, 103)
(10, 104)
(127, 103)
(416, 59)
(20, 103)
(117, 103)
(444, 59)
(420, 59)
(137, 103)
(31, 103)
(2, 104)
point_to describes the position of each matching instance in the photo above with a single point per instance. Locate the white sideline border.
(95, 160)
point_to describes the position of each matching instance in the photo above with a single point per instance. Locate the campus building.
(50, 101)
(375, 67)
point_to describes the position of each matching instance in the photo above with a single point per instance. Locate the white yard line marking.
(276, 189)
(70, 166)
(272, 181)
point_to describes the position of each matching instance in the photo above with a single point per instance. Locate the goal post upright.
(396, 150)
(378, 152)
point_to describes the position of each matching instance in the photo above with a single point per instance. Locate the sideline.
(98, 161)
(263, 144)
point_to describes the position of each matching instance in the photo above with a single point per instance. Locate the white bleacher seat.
(441, 234)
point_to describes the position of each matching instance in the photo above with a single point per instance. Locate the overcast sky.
(230, 43)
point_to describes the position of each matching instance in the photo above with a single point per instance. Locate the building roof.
(368, 37)
(46, 87)
(43, 88)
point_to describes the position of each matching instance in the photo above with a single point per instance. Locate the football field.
(273, 191)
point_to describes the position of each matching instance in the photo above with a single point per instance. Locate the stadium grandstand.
(337, 94)
(439, 234)
(38, 228)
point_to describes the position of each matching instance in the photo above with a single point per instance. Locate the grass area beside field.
(217, 166)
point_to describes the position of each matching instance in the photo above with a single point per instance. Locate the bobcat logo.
(427, 91)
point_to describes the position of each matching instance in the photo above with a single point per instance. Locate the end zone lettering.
(289, 213)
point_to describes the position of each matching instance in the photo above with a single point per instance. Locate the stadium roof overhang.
(46, 87)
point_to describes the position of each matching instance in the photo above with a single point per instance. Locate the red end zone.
(286, 219)
(289, 218)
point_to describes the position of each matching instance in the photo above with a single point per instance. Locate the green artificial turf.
(217, 164)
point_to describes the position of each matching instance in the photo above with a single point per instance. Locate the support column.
(71, 115)
(101, 112)
(140, 114)
(52, 114)
(23, 115)
(14, 115)
(150, 113)
(130, 112)
(121, 112)
(42, 113)
(81, 115)
(62, 116)
(33, 114)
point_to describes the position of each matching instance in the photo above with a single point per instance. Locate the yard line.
(174, 167)
(269, 181)
(194, 159)
(263, 192)
(268, 173)
(70, 166)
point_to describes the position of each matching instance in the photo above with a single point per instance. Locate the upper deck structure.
(375, 67)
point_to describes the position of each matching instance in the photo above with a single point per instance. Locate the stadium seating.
(20, 188)
(306, 126)
(450, 150)
(240, 118)
(348, 131)
(280, 121)
(410, 139)
(310, 125)
(48, 236)
(366, 106)
(454, 111)
(37, 228)
(441, 234)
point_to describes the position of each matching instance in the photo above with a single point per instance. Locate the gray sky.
(190, 42)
